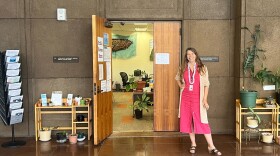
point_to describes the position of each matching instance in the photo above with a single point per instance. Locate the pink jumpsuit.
(190, 108)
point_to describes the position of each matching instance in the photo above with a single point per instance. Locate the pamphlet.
(16, 116)
(56, 98)
(69, 99)
(44, 99)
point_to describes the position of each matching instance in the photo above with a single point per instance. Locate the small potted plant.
(132, 85)
(253, 120)
(73, 138)
(141, 104)
(267, 137)
(45, 134)
(61, 137)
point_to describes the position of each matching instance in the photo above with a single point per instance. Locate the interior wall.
(268, 16)
(209, 26)
(140, 61)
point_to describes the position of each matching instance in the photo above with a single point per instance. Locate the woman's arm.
(180, 84)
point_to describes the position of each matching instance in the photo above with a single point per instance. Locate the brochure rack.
(11, 111)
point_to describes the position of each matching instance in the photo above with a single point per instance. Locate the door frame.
(153, 21)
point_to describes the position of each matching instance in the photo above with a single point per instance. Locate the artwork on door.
(124, 47)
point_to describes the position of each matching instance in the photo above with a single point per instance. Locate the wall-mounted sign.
(209, 58)
(66, 59)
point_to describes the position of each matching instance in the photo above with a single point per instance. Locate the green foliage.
(142, 103)
(132, 84)
(266, 75)
(256, 116)
(252, 51)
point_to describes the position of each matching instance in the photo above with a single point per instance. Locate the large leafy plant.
(142, 102)
(252, 51)
(267, 75)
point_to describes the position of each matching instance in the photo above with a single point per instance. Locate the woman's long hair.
(199, 64)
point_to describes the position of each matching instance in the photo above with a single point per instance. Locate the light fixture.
(141, 24)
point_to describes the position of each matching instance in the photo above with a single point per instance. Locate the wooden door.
(102, 101)
(167, 44)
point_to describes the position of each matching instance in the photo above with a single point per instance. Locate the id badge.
(191, 88)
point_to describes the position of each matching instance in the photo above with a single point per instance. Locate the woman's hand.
(205, 104)
(182, 86)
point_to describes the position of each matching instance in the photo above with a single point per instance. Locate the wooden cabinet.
(73, 110)
(259, 109)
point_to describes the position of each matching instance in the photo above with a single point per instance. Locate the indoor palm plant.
(251, 53)
(140, 104)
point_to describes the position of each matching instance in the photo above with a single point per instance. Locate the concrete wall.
(268, 16)
(211, 26)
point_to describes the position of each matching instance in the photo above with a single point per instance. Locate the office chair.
(124, 78)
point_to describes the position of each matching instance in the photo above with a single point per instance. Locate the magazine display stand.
(11, 111)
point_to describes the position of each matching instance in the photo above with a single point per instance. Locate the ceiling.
(133, 27)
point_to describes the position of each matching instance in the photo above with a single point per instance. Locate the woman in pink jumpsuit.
(194, 83)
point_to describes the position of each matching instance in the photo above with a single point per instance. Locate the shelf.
(73, 110)
(85, 122)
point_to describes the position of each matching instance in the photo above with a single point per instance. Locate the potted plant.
(140, 104)
(45, 134)
(266, 75)
(132, 85)
(61, 137)
(73, 138)
(267, 137)
(248, 97)
(254, 119)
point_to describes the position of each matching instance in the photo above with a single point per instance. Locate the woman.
(193, 80)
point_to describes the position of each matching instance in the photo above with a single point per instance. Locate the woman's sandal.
(192, 149)
(214, 151)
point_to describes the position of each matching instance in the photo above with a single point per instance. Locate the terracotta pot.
(73, 138)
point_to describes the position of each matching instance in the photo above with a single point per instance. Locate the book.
(56, 98)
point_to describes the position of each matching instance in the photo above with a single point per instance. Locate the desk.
(136, 94)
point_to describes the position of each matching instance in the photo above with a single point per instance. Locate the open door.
(167, 46)
(102, 80)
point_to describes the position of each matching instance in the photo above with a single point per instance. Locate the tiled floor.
(123, 115)
(141, 144)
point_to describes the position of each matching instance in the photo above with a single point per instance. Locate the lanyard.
(189, 72)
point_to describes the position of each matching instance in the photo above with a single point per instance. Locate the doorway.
(132, 63)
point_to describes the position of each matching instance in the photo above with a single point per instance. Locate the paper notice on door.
(109, 85)
(100, 54)
(101, 71)
(108, 70)
(107, 54)
(162, 58)
(103, 86)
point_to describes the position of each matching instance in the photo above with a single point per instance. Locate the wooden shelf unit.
(87, 110)
(259, 109)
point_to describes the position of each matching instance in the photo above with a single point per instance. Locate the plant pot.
(61, 137)
(248, 98)
(138, 114)
(45, 135)
(140, 85)
(251, 122)
(73, 138)
(267, 137)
